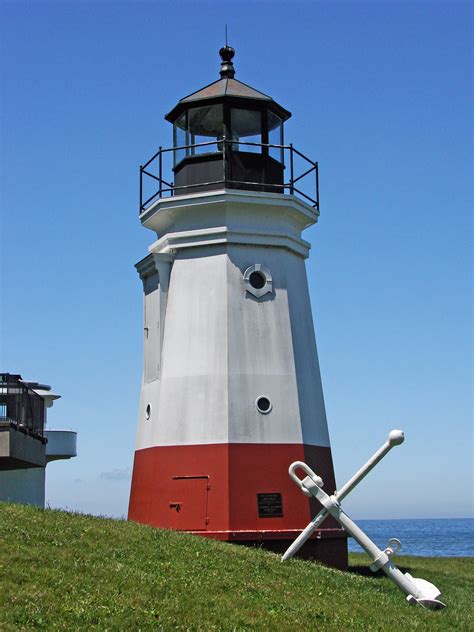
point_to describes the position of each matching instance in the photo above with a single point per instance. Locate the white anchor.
(417, 590)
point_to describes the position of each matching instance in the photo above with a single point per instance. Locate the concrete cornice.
(149, 265)
(145, 266)
(165, 212)
(231, 195)
(173, 242)
(229, 217)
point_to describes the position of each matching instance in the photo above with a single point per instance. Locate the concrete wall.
(272, 352)
(222, 348)
(19, 450)
(23, 486)
(28, 485)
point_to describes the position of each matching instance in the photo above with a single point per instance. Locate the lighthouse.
(231, 391)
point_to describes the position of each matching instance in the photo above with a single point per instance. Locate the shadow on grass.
(366, 572)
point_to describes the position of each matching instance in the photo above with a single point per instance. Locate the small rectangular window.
(151, 332)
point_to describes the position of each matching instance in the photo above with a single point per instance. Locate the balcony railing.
(300, 169)
(20, 406)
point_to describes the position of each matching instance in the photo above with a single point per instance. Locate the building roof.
(227, 88)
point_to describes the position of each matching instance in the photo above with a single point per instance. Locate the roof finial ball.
(227, 67)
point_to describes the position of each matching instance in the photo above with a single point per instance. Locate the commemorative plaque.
(270, 505)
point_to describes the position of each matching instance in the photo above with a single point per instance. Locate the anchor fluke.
(428, 590)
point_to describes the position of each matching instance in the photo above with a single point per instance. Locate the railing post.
(291, 169)
(141, 189)
(317, 185)
(160, 174)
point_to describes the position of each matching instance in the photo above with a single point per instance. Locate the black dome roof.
(227, 88)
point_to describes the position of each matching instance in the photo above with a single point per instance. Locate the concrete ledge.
(62, 444)
(19, 450)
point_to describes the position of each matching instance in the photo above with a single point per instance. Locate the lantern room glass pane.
(246, 126)
(275, 136)
(205, 124)
(179, 137)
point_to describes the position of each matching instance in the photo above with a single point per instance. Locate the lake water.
(442, 537)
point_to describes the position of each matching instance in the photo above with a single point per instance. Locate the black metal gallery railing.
(155, 170)
(20, 406)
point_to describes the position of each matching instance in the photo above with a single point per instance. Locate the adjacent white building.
(27, 446)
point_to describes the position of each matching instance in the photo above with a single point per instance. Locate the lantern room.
(228, 133)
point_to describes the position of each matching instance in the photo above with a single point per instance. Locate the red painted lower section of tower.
(213, 490)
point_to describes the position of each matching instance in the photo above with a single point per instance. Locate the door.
(188, 504)
(152, 328)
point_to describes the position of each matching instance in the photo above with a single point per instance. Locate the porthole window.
(263, 405)
(148, 411)
(258, 280)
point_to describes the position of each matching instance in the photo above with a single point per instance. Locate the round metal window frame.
(265, 272)
(269, 409)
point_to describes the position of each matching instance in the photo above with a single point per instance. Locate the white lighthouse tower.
(231, 391)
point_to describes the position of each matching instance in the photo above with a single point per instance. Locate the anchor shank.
(364, 470)
(380, 557)
(394, 438)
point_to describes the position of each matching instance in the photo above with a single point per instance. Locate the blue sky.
(380, 95)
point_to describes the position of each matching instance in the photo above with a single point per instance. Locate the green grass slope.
(71, 571)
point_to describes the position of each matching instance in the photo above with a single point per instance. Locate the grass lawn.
(72, 571)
